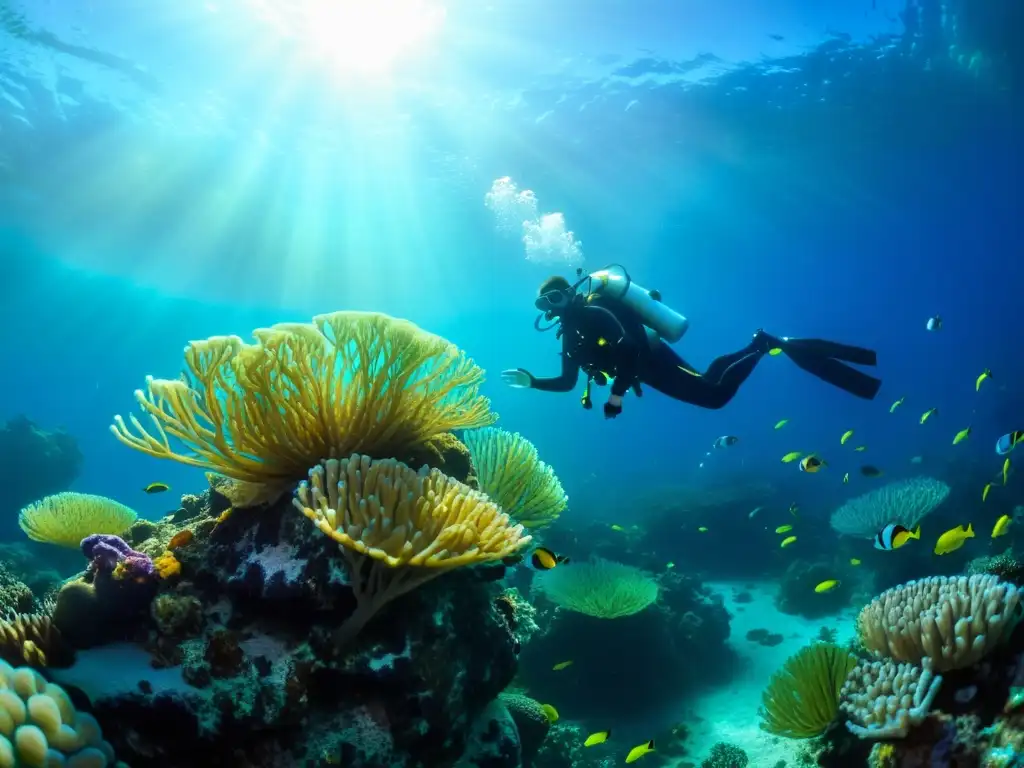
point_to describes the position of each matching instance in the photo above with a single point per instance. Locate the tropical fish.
(897, 404)
(616, 527)
(180, 539)
(916, 459)
(561, 665)
(550, 713)
(846, 436)
(928, 414)
(1006, 469)
(156, 488)
(846, 478)
(754, 511)
(781, 424)
(794, 509)
(811, 464)
(985, 490)
(962, 435)
(702, 529)
(986, 374)
(787, 541)
(869, 470)
(860, 448)
(597, 738)
(854, 561)
(791, 457)
(639, 751)
(670, 565)
(775, 351)
(784, 529)
(894, 536)
(934, 323)
(999, 529)
(1008, 442)
(827, 586)
(543, 559)
(726, 440)
(953, 539)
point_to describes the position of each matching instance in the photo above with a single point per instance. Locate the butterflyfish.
(953, 539)
(156, 488)
(894, 536)
(784, 529)
(1008, 442)
(791, 457)
(639, 751)
(897, 404)
(827, 586)
(561, 665)
(597, 738)
(986, 374)
(811, 464)
(928, 414)
(962, 435)
(543, 559)
(787, 541)
(999, 529)
(781, 424)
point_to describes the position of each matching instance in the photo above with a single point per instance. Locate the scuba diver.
(615, 330)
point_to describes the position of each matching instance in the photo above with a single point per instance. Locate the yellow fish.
(156, 488)
(775, 351)
(1006, 470)
(784, 529)
(811, 464)
(561, 665)
(928, 414)
(986, 374)
(702, 529)
(597, 738)
(953, 539)
(782, 423)
(854, 561)
(791, 457)
(985, 490)
(550, 713)
(846, 478)
(670, 565)
(897, 404)
(827, 586)
(787, 541)
(617, 527)
(639, 751)
(962, 435)
(846, 436)
(999, 529)
(860, 448)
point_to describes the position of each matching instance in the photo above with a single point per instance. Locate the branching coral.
(262, 414)
(906, 502)
(67, 518)
(954, 621)
(599, 588)
(884, 699)
(509, 470)
(802, 698)
(399, 528)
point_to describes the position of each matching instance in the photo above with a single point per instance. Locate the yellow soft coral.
(349, 382)
(67, 518)
(509, 470)
(167, 565)
(399, 528)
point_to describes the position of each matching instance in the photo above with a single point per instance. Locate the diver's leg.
(760, 344)
(668, 373)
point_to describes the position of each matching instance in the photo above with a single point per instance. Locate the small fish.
(811, 464)
(791, 457)
(854, 561)
(1008, 442)
(916, 459)
(754, 511)
(985, 490)
(550, 713)
(999, 529)
(934, 323)
(616, 527)
(775, 351)
(787, 541)
(561, 665)
(670, 565)
(953, 539)
(156, 488)
(846, 436)
(784, 529)
(597, 738)
(181, 539)
(1006, 469)
(794, 509)
(637, 752)
(543, 559)
(782, 423)
(860, 448)
(894, 536)
(986, 374)
(726, 440)
(962, 435)
(897, 404)
(702, 529)
(928, 414)
(846, 478)
(869, 470)
(827, 586)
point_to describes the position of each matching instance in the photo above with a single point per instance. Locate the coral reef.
(884, 699)
(1008, 566)
(531, 722)
(725, 756)
(802, 699)
(796, 593)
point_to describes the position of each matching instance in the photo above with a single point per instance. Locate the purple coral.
(108, 553)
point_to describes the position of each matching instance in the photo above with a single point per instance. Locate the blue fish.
(1008, 442)
(894, 536)
(725, 441)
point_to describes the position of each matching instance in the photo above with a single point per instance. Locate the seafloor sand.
(729, 713)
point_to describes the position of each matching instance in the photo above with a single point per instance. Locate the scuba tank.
(615, 282)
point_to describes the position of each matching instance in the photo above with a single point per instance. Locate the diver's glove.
(613, 407)
(517, 378)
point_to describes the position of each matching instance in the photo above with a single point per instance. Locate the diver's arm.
(564, 382)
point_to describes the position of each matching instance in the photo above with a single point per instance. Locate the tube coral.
(512, 474)
(599, 588)
(263, 413)
(884, 699)
(399, 528)
(67, 518)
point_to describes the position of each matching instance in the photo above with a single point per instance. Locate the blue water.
(815, 169)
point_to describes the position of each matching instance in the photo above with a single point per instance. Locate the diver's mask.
(552, 304)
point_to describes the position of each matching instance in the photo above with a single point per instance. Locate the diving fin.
(833, 349)
(822, 359)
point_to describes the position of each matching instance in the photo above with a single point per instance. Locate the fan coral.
(802, 698)
(906, 502)
(262, 414)
(954, 621)
(67, 518)
(884, 699)
(599, 588)
(399, 528)
(512, 474)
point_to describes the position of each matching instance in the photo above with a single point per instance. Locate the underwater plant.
(261, 414)
(600, 588)
(509, 470)
(802, 698)
(906, 503)
(399, 528)
(66, 518)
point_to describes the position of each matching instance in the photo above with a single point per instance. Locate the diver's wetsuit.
(605, 338)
